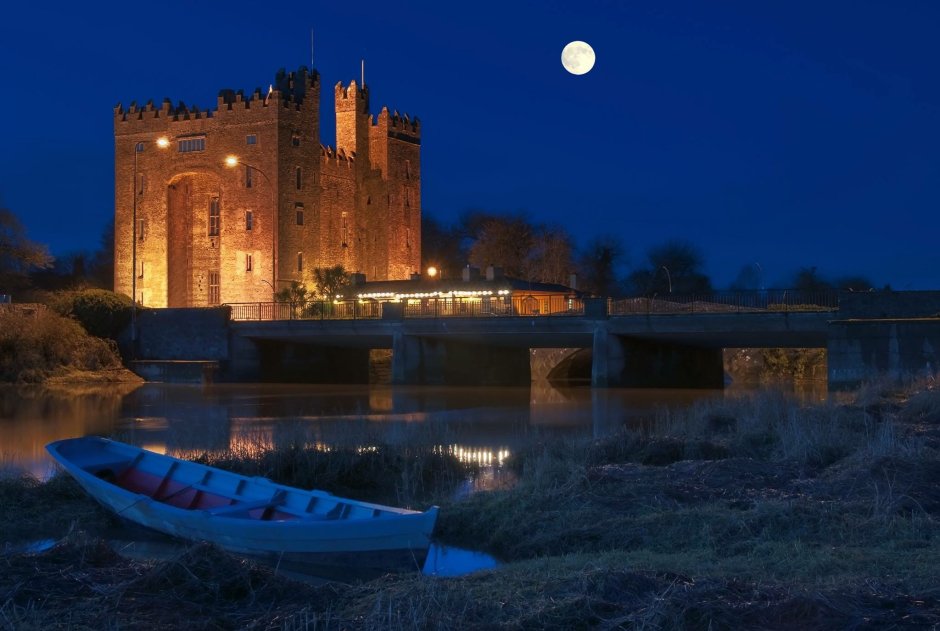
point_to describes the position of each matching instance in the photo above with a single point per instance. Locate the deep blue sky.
(787, 133)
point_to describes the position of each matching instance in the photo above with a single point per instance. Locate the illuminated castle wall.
(208, 233)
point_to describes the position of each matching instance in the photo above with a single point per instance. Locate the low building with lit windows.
(472, 295)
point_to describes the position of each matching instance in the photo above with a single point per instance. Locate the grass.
(747, 513)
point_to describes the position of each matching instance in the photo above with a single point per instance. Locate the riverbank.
(754, 512)
(39, 346)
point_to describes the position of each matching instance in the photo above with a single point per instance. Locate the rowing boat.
(331, 535)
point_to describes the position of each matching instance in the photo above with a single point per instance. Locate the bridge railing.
(495, 306)
(311, 310)
(790, 300)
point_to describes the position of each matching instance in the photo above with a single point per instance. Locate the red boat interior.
(198, 496)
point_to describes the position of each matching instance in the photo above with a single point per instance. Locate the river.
(481, 424)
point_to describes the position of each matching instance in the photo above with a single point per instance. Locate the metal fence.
(496, 306)
(790, 300)
(313, 310)
(526, 305)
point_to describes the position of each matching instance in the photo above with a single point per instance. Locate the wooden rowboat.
(328, 535)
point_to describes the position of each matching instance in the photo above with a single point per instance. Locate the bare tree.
(18, 255)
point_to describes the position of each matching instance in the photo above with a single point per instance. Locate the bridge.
(671, 341)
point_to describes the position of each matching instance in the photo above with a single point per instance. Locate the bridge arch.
(194, 238)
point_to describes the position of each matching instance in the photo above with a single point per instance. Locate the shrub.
(34, 346)
(103, 313)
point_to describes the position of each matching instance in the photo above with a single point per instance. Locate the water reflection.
(482, 425)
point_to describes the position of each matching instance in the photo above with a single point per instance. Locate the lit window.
(248, 263)
(249, 220)
(248, 178)
(300, 261)
(214, 293)
(299, 178)
(189, 145)
(299, 208)
(251, 139)
(215, 217)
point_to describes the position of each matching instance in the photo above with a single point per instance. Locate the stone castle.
(234, 203)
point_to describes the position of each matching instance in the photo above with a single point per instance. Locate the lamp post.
(163, 142)
(232, 162)
(668, 277)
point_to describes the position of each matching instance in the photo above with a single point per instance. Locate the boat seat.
(244, 506)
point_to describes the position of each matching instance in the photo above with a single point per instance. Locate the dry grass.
(42, 345)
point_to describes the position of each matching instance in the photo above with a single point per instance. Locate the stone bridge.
(867, 335)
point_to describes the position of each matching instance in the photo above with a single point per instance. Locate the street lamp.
(163, 142)
(232, 161)
(668, 277)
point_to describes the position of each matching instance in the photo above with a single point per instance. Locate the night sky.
(786, 133)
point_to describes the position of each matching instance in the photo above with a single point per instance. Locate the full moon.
(578, 57)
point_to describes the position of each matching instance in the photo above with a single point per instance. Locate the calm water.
(481, 424)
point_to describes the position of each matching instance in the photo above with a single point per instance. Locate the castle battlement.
(398, 125)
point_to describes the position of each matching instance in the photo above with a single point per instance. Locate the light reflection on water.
(481, 425)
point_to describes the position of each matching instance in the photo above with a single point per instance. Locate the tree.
(329, 281)
(549, 258)
(808, 279)
(535, 252)
(854, 283)
(749, 277)
(18, 255)
(597, 265)
(673, 267)
(502, 240)
(440, 247)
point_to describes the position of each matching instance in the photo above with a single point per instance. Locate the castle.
(233, 204)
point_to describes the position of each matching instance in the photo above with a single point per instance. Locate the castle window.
(139, 147)
(368, 200)
(248, 176)
(345, 231)
(407, 169)
(140, 229)
(141, 183)
(140, 274)
(249, 220)
(189, 145)
(251, 139)
(214, 293)
(248, 263)
(299, 178)
(295, 139)
(215, 217)
(300, 261)
(407, 237)
(299, 209)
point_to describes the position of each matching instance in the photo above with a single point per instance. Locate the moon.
(578, 57)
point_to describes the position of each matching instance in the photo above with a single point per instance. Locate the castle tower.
(352, 120)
